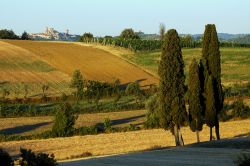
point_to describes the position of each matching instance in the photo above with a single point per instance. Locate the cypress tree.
(212, 67)
(195, 99)
(210, 114)
(172, 88)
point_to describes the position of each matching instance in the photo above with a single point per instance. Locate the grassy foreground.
(114, 143)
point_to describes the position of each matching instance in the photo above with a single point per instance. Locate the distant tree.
(134, 89)
(77, 82)
(64, 121)
(172, 88)
(195, 99)
(25, 36)
(162, 31)
(8, 34)
(187, 41)
(45, 87)
(129, 34)
(5, 93)
(5, 159)
(87, 37)
(212, 67)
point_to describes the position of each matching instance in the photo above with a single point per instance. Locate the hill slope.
(40, 61)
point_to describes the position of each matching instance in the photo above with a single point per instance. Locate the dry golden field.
(35, 125)
(115, 143)
(95, 64)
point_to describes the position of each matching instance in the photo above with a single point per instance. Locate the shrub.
(107, 125)
(240, 110)
(29, 158)
(152, 117)
(5, 159)
(64, 121)
(243, 160)
(86, 130)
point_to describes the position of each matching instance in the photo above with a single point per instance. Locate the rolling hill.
(53, 63)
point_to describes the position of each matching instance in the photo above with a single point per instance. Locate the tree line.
(10, 34)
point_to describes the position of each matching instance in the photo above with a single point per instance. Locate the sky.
(110, 17)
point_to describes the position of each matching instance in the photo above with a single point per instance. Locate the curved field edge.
(95, 64)
(116, 143)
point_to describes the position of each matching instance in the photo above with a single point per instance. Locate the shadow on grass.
(242, 142)
(23, 129)
(122, 121)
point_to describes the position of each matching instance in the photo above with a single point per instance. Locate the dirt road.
(169, 157)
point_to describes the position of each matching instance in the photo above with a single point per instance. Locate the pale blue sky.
(109, 17)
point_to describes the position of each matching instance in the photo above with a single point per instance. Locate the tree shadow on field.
(23, 128)
(122, 121)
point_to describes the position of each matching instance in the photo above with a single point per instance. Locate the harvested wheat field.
(35, 125)
(95, 64)
(115, 143)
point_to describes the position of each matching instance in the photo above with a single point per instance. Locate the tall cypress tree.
(212, 67)
(195, 99)
(172, 88)
(210, 114)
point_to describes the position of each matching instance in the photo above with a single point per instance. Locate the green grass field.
(235, 62)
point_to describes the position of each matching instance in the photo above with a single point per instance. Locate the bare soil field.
(117, 143)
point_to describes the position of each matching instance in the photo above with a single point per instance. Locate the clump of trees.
(28, 158)
(8, 34)
(86, 37)
(129, 34)
(204, 93)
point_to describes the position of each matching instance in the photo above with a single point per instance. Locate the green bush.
(107, 125)
(243, 160)
(29, 158)
(240, 110)
(152, 117)
(64, 121)
(5, 159)
(86, 130)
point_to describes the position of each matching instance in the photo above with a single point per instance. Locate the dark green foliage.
(90, 130)
(195, 98)
(172, 88)
(172, 78)
(25, 36)
(29, 158)
(86, 37)
(243, 160)
(237, 90)
(152, 117)
(134, 89)
(129, 34)
(64, 121)
(5, 159)
(107, 125)
(210, 114)
(77, 82)
(240, 110)
(212, 74)
(8, 34)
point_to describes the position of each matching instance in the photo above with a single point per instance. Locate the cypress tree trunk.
(176, 135)
(180, 137)
(217, 129)
(211, 133)
(197, 133)
(197, 136)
